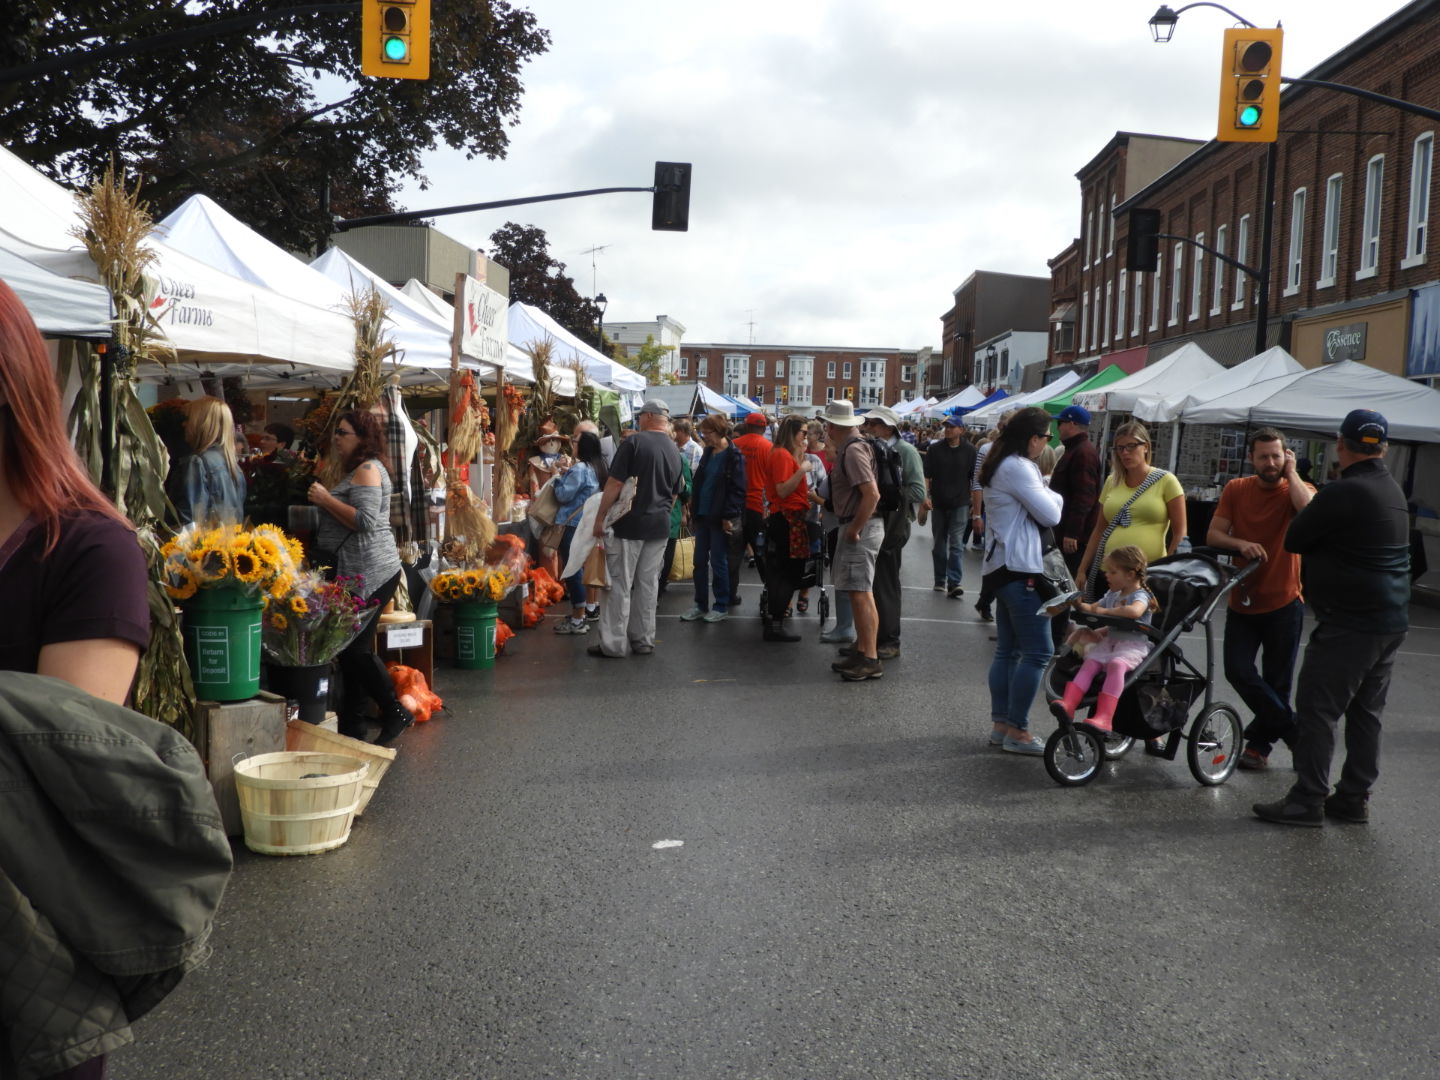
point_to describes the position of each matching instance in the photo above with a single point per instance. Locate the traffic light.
(1142, 243)
(1250, 86)
(671, 209)
(784, 394)
(395, 39)
(849, 393)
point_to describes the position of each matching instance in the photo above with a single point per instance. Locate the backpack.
(889, 475)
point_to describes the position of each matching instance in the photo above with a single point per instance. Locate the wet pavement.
(863, 889)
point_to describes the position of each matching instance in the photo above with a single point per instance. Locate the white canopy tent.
(1183, 370)
(1160, 407)
(208, 316)
(971, 395)
(1317, 399)
(915, 405)
(987, 416)
(531, 325)
(60, 306)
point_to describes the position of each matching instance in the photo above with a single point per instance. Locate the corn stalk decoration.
(363, 387)
(114, 226)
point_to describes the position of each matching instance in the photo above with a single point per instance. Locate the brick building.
(1351, 265)
(802, 378)
(988, 306)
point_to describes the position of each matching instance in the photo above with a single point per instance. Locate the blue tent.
(961, 410)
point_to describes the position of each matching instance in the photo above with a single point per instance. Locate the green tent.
(1103, 377)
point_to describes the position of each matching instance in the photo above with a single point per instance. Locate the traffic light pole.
(411, 215)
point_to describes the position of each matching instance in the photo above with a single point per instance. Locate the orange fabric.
(781, 467)
(1262, 516)
(756, 449)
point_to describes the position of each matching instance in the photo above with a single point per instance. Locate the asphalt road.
(864, 889)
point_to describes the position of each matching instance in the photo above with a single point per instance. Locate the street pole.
(1267, 228)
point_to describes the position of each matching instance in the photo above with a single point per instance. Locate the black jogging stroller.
(812, 577)
(1160, 693)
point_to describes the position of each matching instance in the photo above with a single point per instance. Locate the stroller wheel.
(1215, 742)
(1117, 746)
(1073, 757)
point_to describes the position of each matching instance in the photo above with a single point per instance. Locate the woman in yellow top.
(1155, 522)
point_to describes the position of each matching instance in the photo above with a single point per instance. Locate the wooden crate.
(249, 727)
(419, 656)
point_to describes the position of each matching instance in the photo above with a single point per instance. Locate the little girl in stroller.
(1118, 652)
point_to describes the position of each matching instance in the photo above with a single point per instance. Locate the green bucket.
(475, 635)
(222, 643)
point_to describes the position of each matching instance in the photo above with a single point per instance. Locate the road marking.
(660, 845)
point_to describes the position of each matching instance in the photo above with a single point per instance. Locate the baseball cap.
(954, 421)
(1365, 426)
(1074, 414)
(656, 406)
(757, 419)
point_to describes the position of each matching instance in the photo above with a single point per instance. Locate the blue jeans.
(1022, 649)
(948, 528)
(1275, 635)
(575, 583)
(712, 560)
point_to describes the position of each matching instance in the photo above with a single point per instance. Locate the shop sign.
(1345, 342)
(486, 322)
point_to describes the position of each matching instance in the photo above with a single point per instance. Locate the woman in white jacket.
(1017, 505)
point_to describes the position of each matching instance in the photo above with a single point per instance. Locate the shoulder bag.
(543, 507)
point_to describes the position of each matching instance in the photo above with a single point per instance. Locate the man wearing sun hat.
(1354, 542)
(855, 493)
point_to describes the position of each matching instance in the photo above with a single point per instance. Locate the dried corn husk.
(466, 520)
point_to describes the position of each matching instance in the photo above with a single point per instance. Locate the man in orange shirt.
(756, 447)
(1267, 610)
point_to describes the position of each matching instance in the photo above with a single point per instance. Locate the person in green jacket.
(678, 515)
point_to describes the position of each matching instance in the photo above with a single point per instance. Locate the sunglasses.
(1125, 447)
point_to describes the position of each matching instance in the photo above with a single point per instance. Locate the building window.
(1110, 245)
(872, 382)
(907, 372)
(1095, 320)
(1084, 316)
(1064, 337)
(829, 394)
(1242, 249)
(1089, 237)
(759, 367)
(684, 368)
(1197, 276)
(779, 369)
(702, 367)
(1155, 280)
(1418, 224)
(1109, 297)
(1297, 242)
(1177, 282)
(1139, 303)
(1330, 244)
(1217, 297)
(830, 369)
(737, 376)
(801, 368)
(1120, 307)
(1370, 225)
(848, 370)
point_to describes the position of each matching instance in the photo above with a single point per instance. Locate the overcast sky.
(853, 161)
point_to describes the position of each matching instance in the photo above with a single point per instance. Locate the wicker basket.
(287, 809)
(303, 736)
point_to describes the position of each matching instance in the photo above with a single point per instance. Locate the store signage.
(1345, 342)
(486, 322)
(410, 637)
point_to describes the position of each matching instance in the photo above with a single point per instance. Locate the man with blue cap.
(1354, 540)
(1076, 479)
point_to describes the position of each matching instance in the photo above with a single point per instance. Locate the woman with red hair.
(71, 572)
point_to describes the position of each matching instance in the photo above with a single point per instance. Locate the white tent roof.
(531, 325)
(1160, 407)
(1317, 399)
(969, 396)
(60, 306)
(208, 316)
(905, 408)
(1182, 370)
(990, 413)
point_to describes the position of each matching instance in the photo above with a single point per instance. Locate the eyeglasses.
(339, 432)
(1126, 447)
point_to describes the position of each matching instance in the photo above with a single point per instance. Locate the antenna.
(592, 252)
(751, 324)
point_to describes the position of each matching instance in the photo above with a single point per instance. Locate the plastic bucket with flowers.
(476, 592)
(223, 577)
(305, 631)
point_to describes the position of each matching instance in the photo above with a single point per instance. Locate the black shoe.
(734, 601)
(1352, 808)
(1289, 813)
(955, 592)
(983, 610)
(775, 631)
(351, 728)
(596, 650)
(396, 720)
(887, 652)
(859, 668)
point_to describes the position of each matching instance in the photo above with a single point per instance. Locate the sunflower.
(213, 563)
(247, 567)
(298, 605)
(468, 590)
(278, 620)
(187, 586)
(281, 586)
(267, 551)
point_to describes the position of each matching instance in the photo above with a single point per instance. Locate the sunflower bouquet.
(314, 622)
(489, 582)
(260, 561)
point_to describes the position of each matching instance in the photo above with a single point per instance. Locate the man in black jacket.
(1354, 540)
(948, 465)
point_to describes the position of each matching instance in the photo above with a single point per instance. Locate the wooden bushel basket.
(286, 810)
(302, 736)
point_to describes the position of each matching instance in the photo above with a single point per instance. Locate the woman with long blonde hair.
(208, 485)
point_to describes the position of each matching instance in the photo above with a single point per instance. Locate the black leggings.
(782, 573)
(363, 672)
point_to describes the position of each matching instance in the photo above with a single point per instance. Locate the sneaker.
(592, 614)
(983, 610)
(939, 586)
(572, 626)
(641, 650)
(597, 650)
(693, 614)
(1290, 813)
(1253, 760)
(955, 592)
(887, 652)
(1352, 808)
(714, 615)
(1030, 745)
(837, 637)
(859, 668)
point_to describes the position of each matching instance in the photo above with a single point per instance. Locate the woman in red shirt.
(788, 529)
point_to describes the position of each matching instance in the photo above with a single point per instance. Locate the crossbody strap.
(1151, 478)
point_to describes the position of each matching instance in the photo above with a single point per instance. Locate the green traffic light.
(396, 49)
(1250, 116)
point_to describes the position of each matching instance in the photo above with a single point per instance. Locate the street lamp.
(990, 365)
(1162, 23)
(601, 303)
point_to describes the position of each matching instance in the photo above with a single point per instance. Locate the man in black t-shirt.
(948, 466)
(635, 549)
